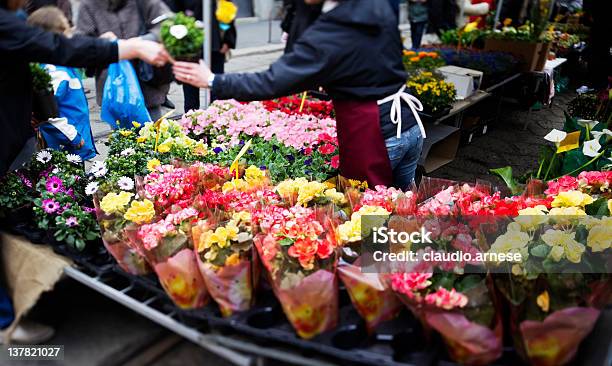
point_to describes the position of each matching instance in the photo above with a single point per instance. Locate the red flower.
(335, 162)
(308, 151)
(327, 149)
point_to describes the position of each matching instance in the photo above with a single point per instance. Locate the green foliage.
(41, 80)
(506, 174)
(14, 192)
(189, 46)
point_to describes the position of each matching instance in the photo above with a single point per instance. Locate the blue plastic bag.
(122, 99)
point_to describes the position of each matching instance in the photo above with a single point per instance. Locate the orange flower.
(415, 59)
(433, 54)
(423, 54)
(409, 53)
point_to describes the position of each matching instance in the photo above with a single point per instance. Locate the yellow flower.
(513, 241)
(164, 148)
(532, 217)
(226, 11)
(350, 231)
(309, 191)
(125, 133)
(140, 140)
(470, 27)
(115, 203)
(334, 196)
(610, 207)
(507, 22)
(572, 198)
(543, 301)
(152, 164)
(200, 149)
(287, 188)
(136, 124)
(572, 249)
(140, 212)
(242, 217)
(253, 175)
(600, 236)
(415, 59)
(235, 185)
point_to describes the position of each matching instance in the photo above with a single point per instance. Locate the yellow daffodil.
(140, 212)
(115, 203)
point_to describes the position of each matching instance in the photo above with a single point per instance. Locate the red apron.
(363, 153)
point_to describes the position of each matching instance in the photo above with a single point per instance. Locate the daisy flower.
(128, 152)
(98, 169)
(74, 158)
(125, 183)
(54, 185)
(72, 221)
(91, 188)
(50, 205)
(44, 156)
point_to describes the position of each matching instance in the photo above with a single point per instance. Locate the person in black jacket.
(298, 17)
(21, 44)
(354, 51)
(222, 42)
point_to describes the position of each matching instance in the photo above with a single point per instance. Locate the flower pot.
(44, 105)
(430, 117)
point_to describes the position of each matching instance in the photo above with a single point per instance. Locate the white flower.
(44, 156)
(598, 134)
(91, 188)
(555, 136)
(125, 183)
(587, 122)
(178, 31)
(74, 158)
(98, 169)
(127, 152)
(55, 170)
(591, 148)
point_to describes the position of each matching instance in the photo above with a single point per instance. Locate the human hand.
(192, 73)
(224, 49)
(150, 52)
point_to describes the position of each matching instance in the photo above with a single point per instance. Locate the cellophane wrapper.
(555, 340)
(311, 306)
(467, 342)
(232, 287)
(374, 300)
(119, 245)
(181, 279)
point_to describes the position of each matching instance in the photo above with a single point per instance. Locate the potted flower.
(15, 199)
(297, 247)
(436, 95)
(44, 105)
(183, 37)
(227, 261)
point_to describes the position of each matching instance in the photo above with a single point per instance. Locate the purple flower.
(263, 167)
(50, 206)
(70, 192)
(88, 209)
(72, 221)
(54, 185)
(290, 158)
(308, 162)
(217, 150)
(250, 151)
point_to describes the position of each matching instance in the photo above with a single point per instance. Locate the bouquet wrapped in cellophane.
(557, 291)
(297, 247)
(168, 247)
(369, 292)
(228, 261)
(118, 214)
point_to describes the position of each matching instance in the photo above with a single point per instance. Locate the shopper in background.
(298, 17)
(126, 19)
(418, 16)
(222, 41)
(468, 9)
(71, 131)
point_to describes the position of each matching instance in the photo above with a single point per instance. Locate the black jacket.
(298, 17)
(21, 44)
(353, 51)
(194, 8)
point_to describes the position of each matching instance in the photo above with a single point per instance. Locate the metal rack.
(232, 348)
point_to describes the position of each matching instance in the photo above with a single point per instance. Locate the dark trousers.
(6, 309)
(192, 94)
(416, 33)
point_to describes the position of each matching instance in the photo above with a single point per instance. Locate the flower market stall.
(231, 224)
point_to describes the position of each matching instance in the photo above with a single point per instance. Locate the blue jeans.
(6, 310)
(404, 153)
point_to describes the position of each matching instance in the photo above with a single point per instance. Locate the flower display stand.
(532, 54)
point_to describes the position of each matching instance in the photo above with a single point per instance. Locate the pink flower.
(50, 206)
(410, 283)
(335, 162)
(446, 300)
(54, 185)
(563, 184)
(72, 221)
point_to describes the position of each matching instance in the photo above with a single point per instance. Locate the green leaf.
(506, 174)
(598, 208)
(468, 282)
(574, 160)
(286, 242)
(571, 124)
(541, 250)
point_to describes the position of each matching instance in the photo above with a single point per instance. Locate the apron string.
(396, 109)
